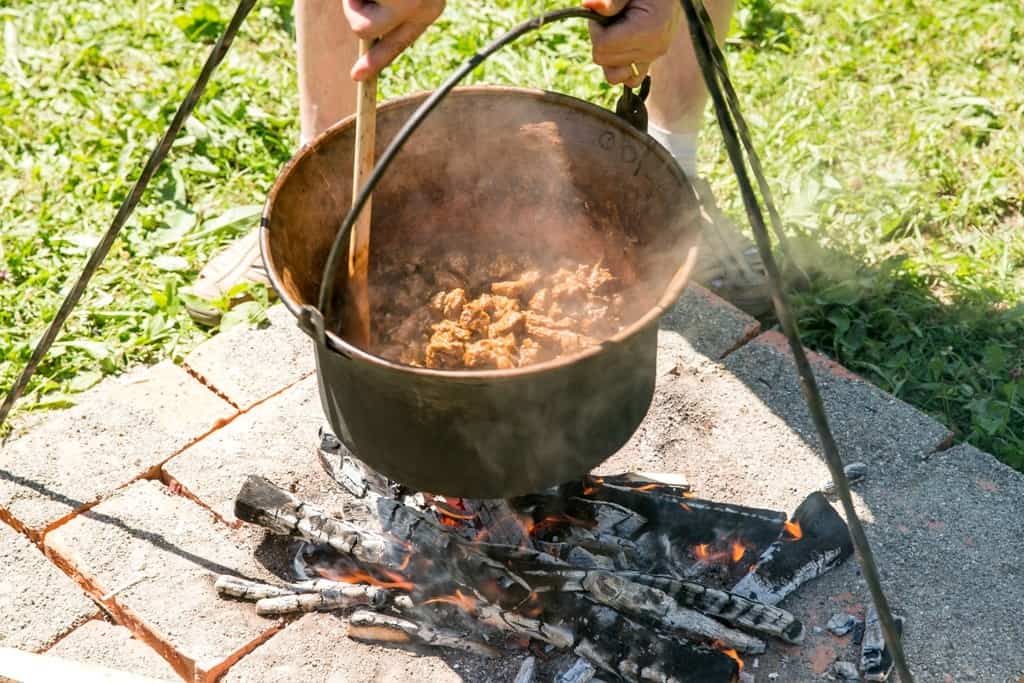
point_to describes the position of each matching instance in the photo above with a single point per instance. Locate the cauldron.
(489, 165)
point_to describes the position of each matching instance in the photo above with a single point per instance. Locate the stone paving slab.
(315, 648)
(38, 602)
(739, 431)
(247, 365)
(119, 431)
(703, 325)
(109, 645)
(275, 439)
(159, 554)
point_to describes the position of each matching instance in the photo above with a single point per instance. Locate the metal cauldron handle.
(630, 107)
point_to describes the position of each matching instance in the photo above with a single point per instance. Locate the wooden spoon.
(357, 320)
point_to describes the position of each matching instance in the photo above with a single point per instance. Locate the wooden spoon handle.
(358, 301)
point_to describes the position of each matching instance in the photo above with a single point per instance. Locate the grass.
(890, 131)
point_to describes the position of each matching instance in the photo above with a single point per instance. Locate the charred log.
(876, 661)
(527, 671)
(260, 502)
(375, 627)
(344, 596)
(622, 647)
(729, 607)
(657, 608)
(823, 543)
(581, 671)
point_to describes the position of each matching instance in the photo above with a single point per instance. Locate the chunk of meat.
(498, 312)
(540, 300)
(510, 323)
(474, 316)
(499, 352)
(449, 304)
(516, 289)
(447, 346)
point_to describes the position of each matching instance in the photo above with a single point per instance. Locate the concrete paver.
(38, 602)
(158, 555)
(315, 648)
(945, 525)
(121, 430)
(702, 325)
(275, 439)
(247, 365)
(739, 431)
(102, 643)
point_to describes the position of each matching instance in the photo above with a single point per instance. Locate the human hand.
(640, 35)
(395, 24)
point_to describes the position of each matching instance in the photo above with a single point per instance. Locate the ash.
(632, 577)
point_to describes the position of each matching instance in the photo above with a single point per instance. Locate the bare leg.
(327, 49)
(678, 95)
(729, 264)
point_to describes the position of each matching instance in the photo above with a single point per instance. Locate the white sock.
(682, 146)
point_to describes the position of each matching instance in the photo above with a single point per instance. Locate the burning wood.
(815, 541)
(729, 607)
(652, 605)
(595, 568)
(318, 595)
(375, 627)
(581, 671)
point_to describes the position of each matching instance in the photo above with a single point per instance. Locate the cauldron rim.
(340, 346)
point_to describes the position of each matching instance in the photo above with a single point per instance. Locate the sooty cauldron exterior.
(497, 165)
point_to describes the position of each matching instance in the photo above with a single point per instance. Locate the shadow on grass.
(953, 354)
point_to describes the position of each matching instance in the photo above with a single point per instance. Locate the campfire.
(633, 575)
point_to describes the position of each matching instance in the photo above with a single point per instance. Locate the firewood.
(635, 652)
(374, 627)
(343, 596)
(729, 607)
(260, 502)
(653, 605)
(558, 635)
(876, 661)
(499, 520)
(824, 544)
(527, 671)
(581, 671)
(234, 587)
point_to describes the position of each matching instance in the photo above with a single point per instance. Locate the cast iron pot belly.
(490, 166)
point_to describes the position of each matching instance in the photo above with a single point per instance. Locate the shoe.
(728, 263)
(238, 263)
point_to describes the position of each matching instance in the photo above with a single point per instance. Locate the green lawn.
(891, 132)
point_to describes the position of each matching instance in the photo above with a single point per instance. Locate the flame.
(591, 485)
(405, 563)
(451, 513)
(455, 515)
(396, 580)
(738, 551)
(728, 652)
(733, 553)
(556, 520)
(648, 487)
(460, 600)
(531, 606)
(793, 530)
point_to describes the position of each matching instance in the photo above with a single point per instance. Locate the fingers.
(385, 50)
(394, 24)
(606, 8)
(642, 33)
(371, 20)
(626, 75)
